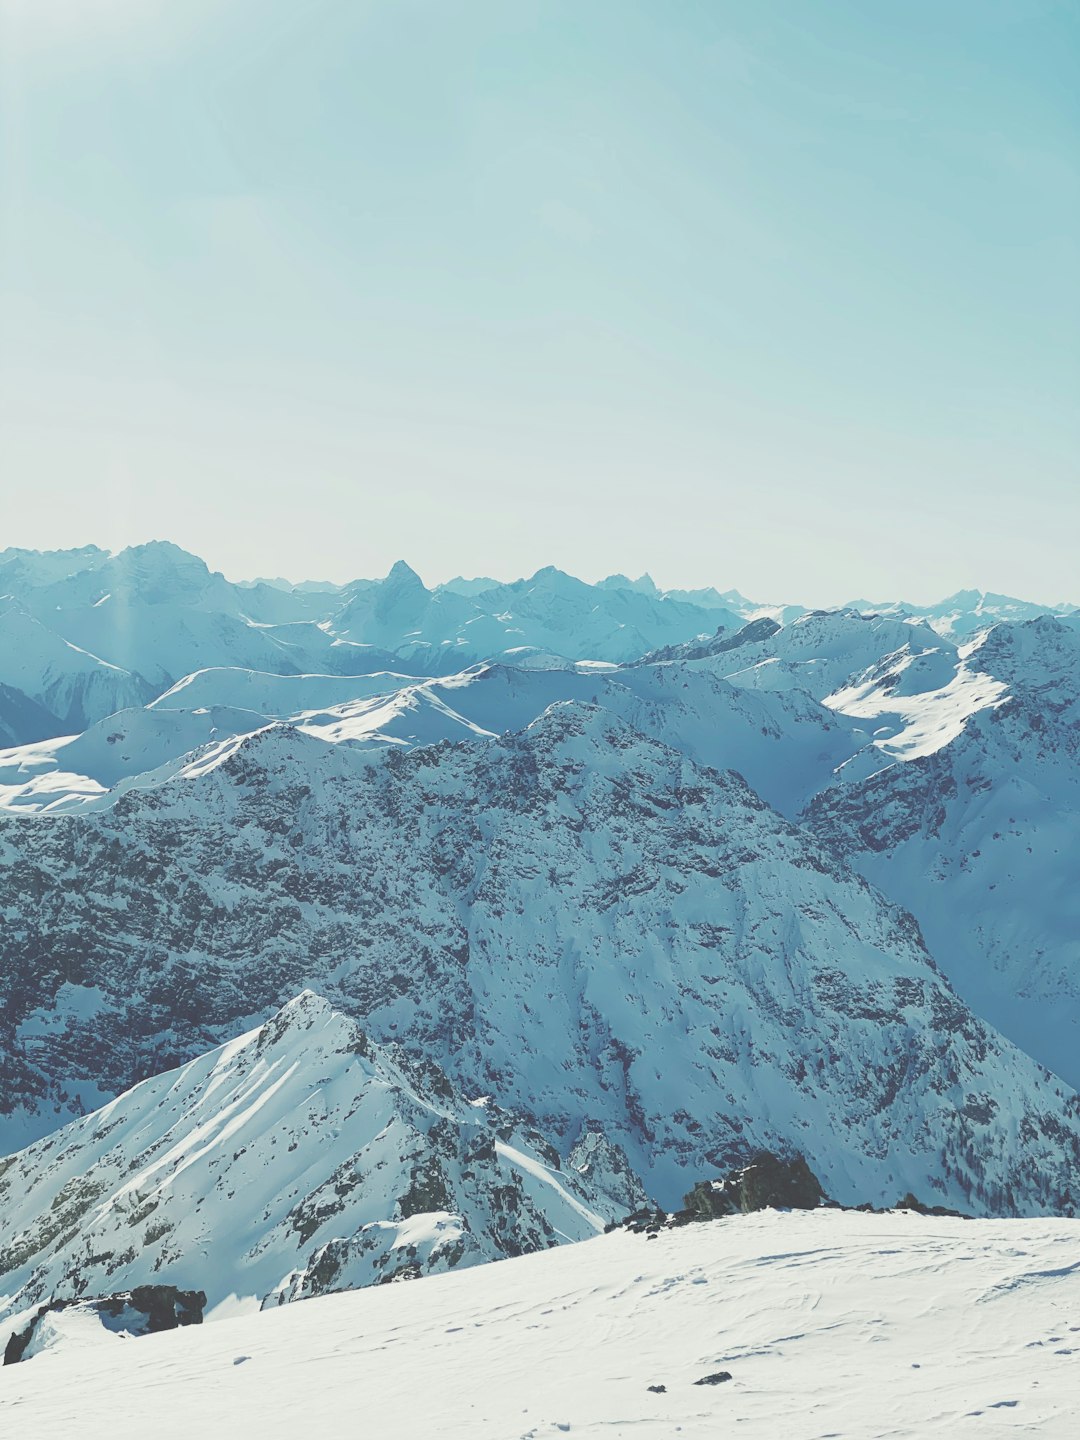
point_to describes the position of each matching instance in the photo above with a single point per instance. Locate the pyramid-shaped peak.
(402, 573)
(307, 1012)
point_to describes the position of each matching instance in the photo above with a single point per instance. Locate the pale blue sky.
(781, 294)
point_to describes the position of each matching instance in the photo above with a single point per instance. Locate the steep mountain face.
(23, 719)
(295, 1160)
(575, 919)
(72, 687)
(979, 834)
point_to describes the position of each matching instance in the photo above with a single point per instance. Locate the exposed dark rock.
(716, 1378)
(145, 1310)
(911, 1202)
(657, 1389)
(767, 1182)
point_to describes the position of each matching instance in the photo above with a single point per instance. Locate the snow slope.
(833, 1325)
(296, 1159)
(278, 697)
(75, 770)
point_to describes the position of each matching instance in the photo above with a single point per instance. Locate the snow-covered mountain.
(970, 611)
(156, 614)
(69, 687)
(827, 1324)
(551, 611)
(159, 614)
(818, 651)
(978, 832)
(297, 1159)
(540, 913)
(783, 741)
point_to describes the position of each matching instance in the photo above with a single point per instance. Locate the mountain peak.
(402, 573)
(643, 585)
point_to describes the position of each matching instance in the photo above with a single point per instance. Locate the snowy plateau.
(357, 935)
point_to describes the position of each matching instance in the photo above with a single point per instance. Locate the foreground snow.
(831, 1324)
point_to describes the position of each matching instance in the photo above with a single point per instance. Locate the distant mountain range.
(85, 632)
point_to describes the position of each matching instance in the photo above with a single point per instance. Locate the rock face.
(295, 1160)
(576, 920)
(145, 1310)
(768, 1182)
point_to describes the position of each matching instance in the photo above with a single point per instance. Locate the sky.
(781, 296)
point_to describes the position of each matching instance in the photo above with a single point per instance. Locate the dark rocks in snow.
(144, 1310)
(768, 1182)
(911, 1202)
(752, 633)
(716, 1378)
(657, 1389)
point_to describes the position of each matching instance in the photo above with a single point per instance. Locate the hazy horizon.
(773, 298)
(504, 576)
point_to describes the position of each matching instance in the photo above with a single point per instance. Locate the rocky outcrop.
(144, 1310)
(767, 1183)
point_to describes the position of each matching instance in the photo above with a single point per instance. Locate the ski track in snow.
(834, 1326)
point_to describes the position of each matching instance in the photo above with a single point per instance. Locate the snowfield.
(831, 1324)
